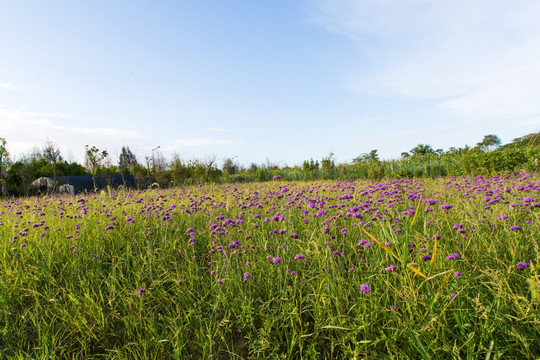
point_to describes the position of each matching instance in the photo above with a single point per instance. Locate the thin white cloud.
(366, 120)
(215, 129)
(25, 129)
(8, 86)
(477, 58)
(196, 142)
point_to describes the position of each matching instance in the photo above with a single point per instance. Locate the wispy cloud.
(475, 58)
(25, 129)
(196, 142)
(366, 120)
(8, 86)
(215, 129)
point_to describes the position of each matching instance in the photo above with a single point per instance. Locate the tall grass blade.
(433, 263)
(417, 271)
(415, 213)
(383, 246)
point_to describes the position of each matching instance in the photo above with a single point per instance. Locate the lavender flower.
(277, 260)
(522, 265)
(452, 256)
(515, 228)
(299, 256)
(141, 291)
(391, 268)
(365, 288)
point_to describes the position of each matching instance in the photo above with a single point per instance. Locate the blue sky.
(281, 80)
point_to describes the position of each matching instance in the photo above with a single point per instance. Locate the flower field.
(444, 268)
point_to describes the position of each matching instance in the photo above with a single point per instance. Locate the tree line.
(488, 157)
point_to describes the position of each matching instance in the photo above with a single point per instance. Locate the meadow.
(443, 268)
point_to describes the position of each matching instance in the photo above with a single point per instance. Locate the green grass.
(55, 303)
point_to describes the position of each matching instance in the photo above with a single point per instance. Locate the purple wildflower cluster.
(253, 230)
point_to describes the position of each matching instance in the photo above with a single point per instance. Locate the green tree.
(94, 159)
(328, 162)
(125, 160)
(489, 143)
(230, 166)
(372, 156)
(51, 154)
(3, 159)
(422, 150)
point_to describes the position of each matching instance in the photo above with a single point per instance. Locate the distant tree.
(179, 170)
(272, 165)
(212, 171)
(94, 159)
(328, 162)
(372, 156)
(405, 155)
(490, 142)
(159, 166)
(230, 167)
(253, 167)
(125, 160)
(51, 154)
(422, 149)
(310, 165)
(3, 159)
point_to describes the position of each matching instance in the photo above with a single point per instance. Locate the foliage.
(3, 157)
(126, 160)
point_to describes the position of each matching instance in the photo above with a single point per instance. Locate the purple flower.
(522, 265)
(393, 308)
(299, 256)
(344, 231)
(295, 236)
(391, 268)
(515, 228)
(277, 260)
(247, 275)
(452, 256)
(365, 288)
(141, 291)
(352, 269)
(446, 207)
(277, 177)
(457, 273)
(94, 256)
(426, 257)
(23, 245)
(453, 296)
